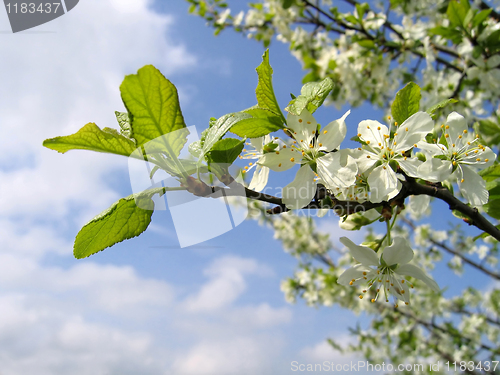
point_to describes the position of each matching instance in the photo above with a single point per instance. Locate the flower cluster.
(374, 170)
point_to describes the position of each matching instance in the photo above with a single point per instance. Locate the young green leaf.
(122, 221)
(226, 150)
(457, 11)
(90, 137)
(262, 122)
(312, 95)
(492, 208)
(124, 122)
(153, 104)
(491, 173)
(440, 105)
(219, 128)
(264, 91)
(406, 102)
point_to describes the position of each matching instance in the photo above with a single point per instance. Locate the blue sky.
(144, 306)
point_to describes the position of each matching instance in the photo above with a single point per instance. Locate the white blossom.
(459, 154)
(380, 151)
(312, 150)
(386, 273)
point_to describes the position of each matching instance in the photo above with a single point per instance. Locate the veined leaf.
(264, 91)
(122, 221)
(153, 104)
(219, 128)
(456, 12)
(90, 137)
(491, 173)
(262, 122)
(492, 208)
(226, 150)
(124, 122)
(440, 105)
(312, 95)
(406, 102)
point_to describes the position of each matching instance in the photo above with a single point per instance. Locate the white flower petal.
(486, 158)
(333, 174)
(417, 273)
(418, 204)
(301, 190)
(412, 130)
(456, 125)
(280, 160)
(304, 127)
(399, 252)
(257, 143)
(373, 132)
(382, 181)
(332, 135)
(433, 148)
(362, 254)
(351, 273)
(364, 159)
(472, 187)
(399, 289)
(259, 178)
(410, 166)
(435, 170)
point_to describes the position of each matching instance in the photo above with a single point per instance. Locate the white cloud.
(54, 83)
(44, 342)
(238, 356)
(226, 283)
(260, 316)
(324, 352)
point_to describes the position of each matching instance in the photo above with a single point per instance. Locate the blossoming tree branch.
(410, 155)
(434, 66)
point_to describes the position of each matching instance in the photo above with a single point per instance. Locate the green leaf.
(493, 188)
(492, 208)
(480, 17)
(495, 301)
(122, 221)
(457, 11)
(491, 173)
(406, 103)
(450, 33)
(90, 137)
(440, 105)
(152, 103)
(312, 95)
(124, 122)
(361, 9)
(366, 43)
(264, 91)
(460, 215)
(219, 128)
(287, 3)
(226, 150)
(490, 132)
(351, 19)
(262, 122)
